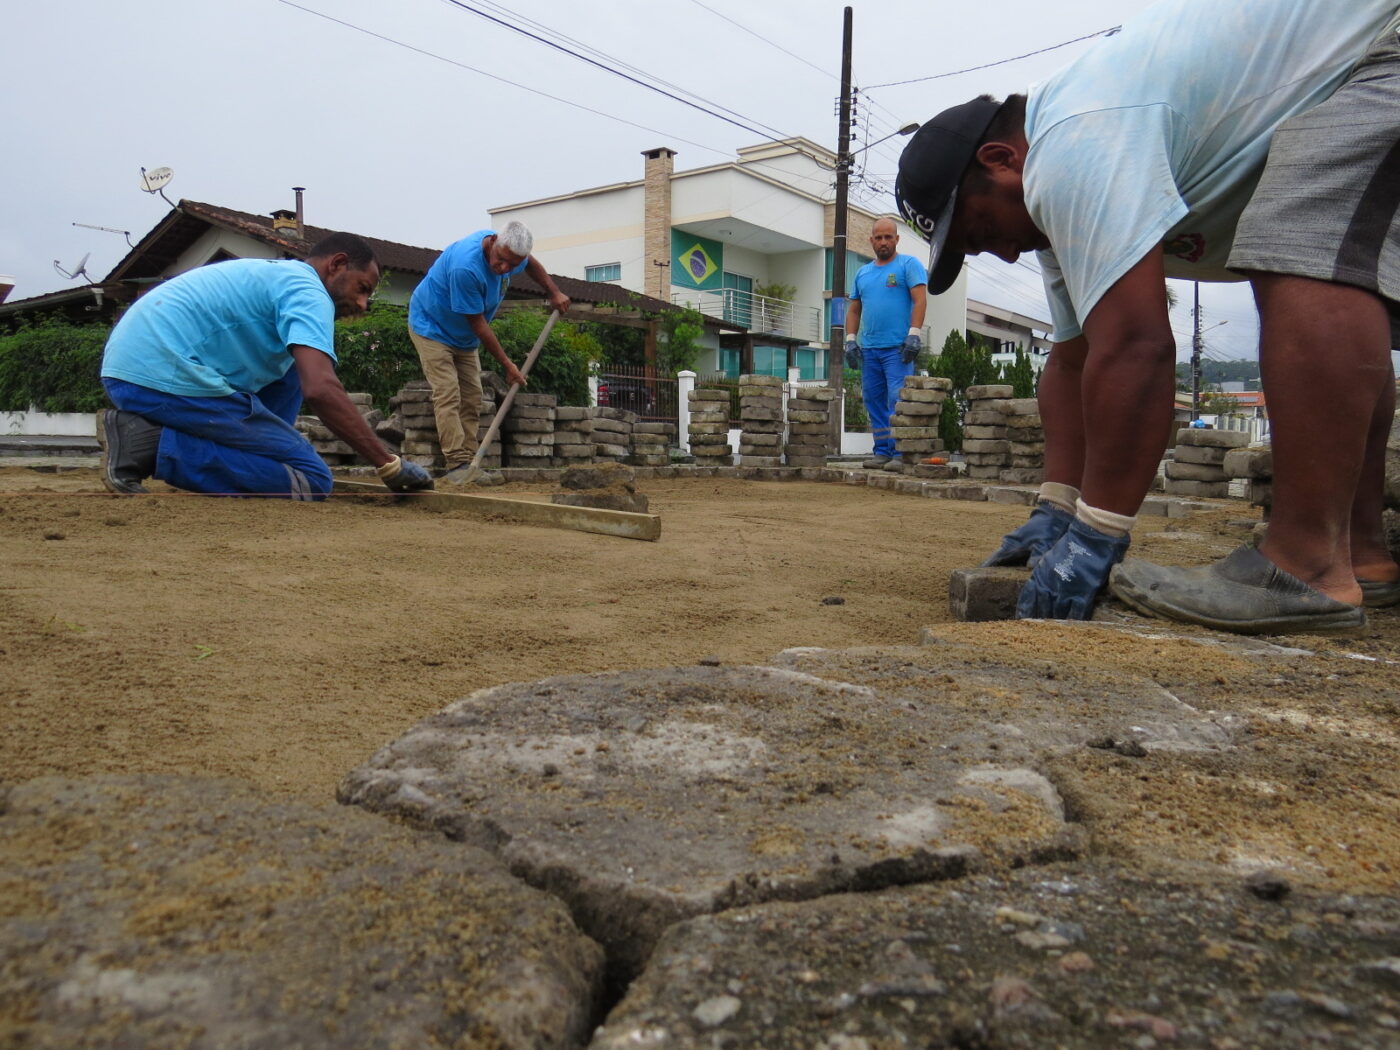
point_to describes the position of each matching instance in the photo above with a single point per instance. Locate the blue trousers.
(238, 445)
(882, 373)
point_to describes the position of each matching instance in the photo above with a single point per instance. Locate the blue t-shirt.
(886, 299)
(1158, 135)
(222, 329)
(459, 283)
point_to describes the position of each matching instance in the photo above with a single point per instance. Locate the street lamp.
(905, 129)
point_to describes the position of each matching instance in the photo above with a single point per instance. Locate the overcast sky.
(391, 118)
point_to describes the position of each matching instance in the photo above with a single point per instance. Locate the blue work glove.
(913, 347)
(852, 353)
(1041, 531)
(402, 476)
(1070, 575)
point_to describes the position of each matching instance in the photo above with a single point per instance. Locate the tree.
(1020, 375)
(964, 364)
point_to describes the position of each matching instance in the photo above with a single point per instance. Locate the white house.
(718, 238)
(1008, 331)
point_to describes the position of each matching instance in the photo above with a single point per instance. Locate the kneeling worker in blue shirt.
(209, 369)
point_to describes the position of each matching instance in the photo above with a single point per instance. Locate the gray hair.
(517, 237)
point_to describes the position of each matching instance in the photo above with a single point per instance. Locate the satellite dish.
(78, 271)
(154, 180)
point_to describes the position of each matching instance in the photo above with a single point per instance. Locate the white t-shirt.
(1158, 134)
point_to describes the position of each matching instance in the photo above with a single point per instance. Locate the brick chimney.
(656, 221)
(290, 223)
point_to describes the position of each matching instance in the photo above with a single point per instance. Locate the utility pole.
(836, 357)
(1196, 356)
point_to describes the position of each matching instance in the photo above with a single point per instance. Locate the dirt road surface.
(282, 643)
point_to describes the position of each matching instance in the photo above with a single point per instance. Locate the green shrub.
(53, 365)
(377, 357)
(563, 365)
(374, 354)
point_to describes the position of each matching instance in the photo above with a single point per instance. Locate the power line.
(760, 36)
(1000, 62)
(502, 80)
(763, 129)
(559, 35)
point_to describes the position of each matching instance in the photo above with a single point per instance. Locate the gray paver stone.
(645, 797)
(198, 913)
(1072, 957)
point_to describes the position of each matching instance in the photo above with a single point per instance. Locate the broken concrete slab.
(1080, 958)
(1020, 710)
(184, 911)
(645, 797)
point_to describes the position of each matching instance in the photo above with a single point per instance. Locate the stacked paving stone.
(330, 448)
(809, 439)
(708, 430)
(914, 422)
(1027, 442)
(986, 433)
(610, 486)
(1197, 466)
(573, 436)
(413, 410)
(760, 421)
(651, 443)
(1255, 466)
(612, 433)
(527, 432)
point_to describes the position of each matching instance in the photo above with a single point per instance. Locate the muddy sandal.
(1379, 594)
(1244, 592)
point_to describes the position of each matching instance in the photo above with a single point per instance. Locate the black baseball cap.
(930, 169)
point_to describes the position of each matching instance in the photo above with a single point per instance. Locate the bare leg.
(1370, 558)
(1062, 412)
(1325, 360)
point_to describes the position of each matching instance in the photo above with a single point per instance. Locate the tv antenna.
(78, 271)
(107, 229)
(154, 181)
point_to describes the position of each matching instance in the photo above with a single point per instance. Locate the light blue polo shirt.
(222, 329)
(1158, 135)
(886, 299)
(459, 283)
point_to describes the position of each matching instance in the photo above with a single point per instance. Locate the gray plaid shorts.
(1328, 203)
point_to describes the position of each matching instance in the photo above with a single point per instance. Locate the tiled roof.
(183, 226)
(190, 219)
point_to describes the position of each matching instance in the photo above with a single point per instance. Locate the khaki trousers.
(455, 376)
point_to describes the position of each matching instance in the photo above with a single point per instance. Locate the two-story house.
(724, 238)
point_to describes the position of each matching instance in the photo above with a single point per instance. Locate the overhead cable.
(1000, 62)
(747, 124)
(503, 80)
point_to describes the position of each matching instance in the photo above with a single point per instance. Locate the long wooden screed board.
(581, 519)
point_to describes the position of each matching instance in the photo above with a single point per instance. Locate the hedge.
(54, 365)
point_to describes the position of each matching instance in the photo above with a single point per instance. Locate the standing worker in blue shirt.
(449, 319)
(208, 371)
(890, 295)
(1249, 140)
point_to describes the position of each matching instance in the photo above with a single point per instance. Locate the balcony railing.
(760, 314)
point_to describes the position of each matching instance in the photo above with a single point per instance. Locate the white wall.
(208, 245)
(48, 424)
(578, 232)
(724, 193)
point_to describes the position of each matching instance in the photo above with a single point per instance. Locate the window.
(738, 298)
(770, 361)
(603, 272)
(806, 361)
(854, 261)
(729, 361)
